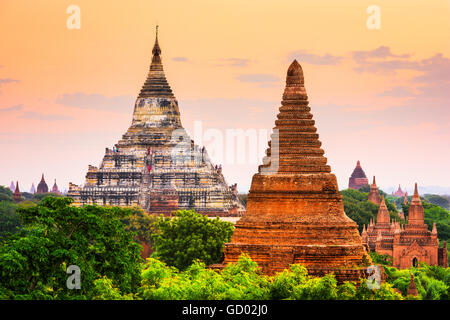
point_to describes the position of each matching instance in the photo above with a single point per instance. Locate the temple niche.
(358, 178)
(156, 165)
(294, 211)
(407, 244)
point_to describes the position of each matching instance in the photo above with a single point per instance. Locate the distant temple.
(294, 211)
(12, 186)
(399, 193)
(17, 196)
(358, 178)
(42, 186)
(374, 194)
(55, 188)
(407, 244)
(156, 165)
(33, 189)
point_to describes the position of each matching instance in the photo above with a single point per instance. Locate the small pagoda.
(374, 194)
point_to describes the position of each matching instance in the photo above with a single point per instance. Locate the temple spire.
(156, 49)
(383, 213)
(156, 84)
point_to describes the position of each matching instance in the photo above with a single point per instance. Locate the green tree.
(142, 224)
(34, 265)
(9, 219)
(188, 236)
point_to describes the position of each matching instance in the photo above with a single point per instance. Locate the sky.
(378, 95)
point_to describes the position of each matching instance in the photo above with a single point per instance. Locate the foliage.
(383, 259)
(188, 236)
(438, 200)
(360, 210)
(142, 225)
(242, 280)
(432, 282)
(33, 265)
(9, 219)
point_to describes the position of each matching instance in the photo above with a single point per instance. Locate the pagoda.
(17, 195)
(33, 189)
(294, 211)
(374, 195)
(399, 193)
(156, 165)
(55, 188)
(42, 186)
(358, 178)
(407, 244)
(12, 187)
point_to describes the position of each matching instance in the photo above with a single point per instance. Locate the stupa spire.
(416, 196)
(156, 84)
(383, 213)
(416, 213)
(17, 196)
(156, 49)
(374, 195)
(294, 132)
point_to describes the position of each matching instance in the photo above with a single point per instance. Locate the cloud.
(180, 59)
(233, 62)
(11, 109)
(382, 59)
(42, 116)
(262, 79)
(435, 70)
(382, 52)
(304, 57)
(97, 102)
(397, 92)
(6, 81)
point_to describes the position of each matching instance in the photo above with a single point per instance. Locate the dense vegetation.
(39, 240)
(362, 211)
(188, 236)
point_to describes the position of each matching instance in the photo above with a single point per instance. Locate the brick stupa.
(294, 211)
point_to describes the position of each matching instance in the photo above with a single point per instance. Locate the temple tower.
(374, 195)
(358, 178)
(33, 189)
(55, 188)
(408, 244)
(17, 196)
(156, 165)
(294, 211)
(42, 186)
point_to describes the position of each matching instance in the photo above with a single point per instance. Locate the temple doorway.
(415, 262)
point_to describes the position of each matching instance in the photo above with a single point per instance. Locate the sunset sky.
(381, 96)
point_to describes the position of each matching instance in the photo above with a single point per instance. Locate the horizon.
(377, 96)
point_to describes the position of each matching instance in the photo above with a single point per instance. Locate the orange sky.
(380, 96)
